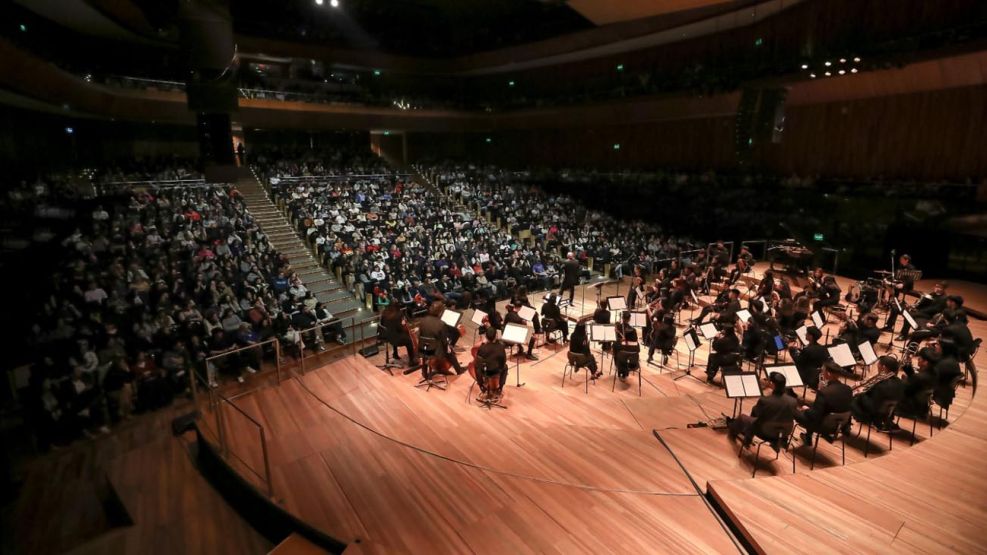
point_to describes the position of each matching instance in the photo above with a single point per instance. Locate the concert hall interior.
(493, 276)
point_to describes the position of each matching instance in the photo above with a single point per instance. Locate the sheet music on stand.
(867, 353)
(616, 303)
(478, 316)
(692, 340)
(910, 319)
(639, 320)
(742, 386)
(801, 333)
(790, 371)
(451, 317)
(602, 332)
(708, 331)
(695, 299)
(514, 334)
(744, 315)
(526, 313)
(818, 320)
(842, 356)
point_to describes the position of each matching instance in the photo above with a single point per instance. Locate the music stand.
(842, 356)
(867, 355)
(790, 371)
(639, 319)
(744, 315)
(451, 317)
(693, 342)
(708, 330)
(384, 333)
(602, 333)
(515, 334)
(739, 387)
(818, 319)
(802, 334)
(616, 303)
(477, 318)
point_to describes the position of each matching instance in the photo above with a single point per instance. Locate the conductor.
(570, 276)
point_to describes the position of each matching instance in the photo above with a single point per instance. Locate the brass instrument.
(868, 384)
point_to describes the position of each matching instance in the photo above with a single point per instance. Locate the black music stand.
(693, 342)
(386, 335)
(428, 347)
(516, 334)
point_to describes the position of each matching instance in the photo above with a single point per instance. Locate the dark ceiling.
(430, 28)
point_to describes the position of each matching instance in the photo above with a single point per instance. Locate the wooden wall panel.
(929, 135)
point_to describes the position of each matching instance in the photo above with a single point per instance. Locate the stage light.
(828, 74)
(854, 70)
(828, 63)
(842, 72)
(812, 75)
(488, 140)
(805, 66)
(69, 130)
(842, 60)
(856, 60)
(334, 3)
(319, 2)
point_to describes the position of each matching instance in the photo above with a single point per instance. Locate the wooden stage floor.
(362, 454)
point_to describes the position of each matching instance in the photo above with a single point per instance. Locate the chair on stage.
(885, 413)
(428, 348)
(552, 331)
(490, 382)
(969, 368)
(778, 435)
(923, 398)
(944, 398)
(632, 357)
(831, 429)
(573, 366)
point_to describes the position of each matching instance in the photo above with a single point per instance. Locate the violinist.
(627, 348)
(550, 313)
(579, 345)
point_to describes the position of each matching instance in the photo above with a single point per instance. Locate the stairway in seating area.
(337, 298)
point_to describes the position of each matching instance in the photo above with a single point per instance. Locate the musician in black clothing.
(570, 276)
(907, 283)
(834, 396)
(662, 337)
(579, 346)
(829, 294)
(397, 335)
(887, 387)
(601, 315)
(947, 370)
(513, 317)
(550, 313)
(918, 382)
(863, 329)
(923, 311)
(725, 310)
(627, 348)
(432, 326)
(770, 409)
(494, 357)
(726, 345)
(810, 358)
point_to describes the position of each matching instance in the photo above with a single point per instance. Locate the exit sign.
(818, 236)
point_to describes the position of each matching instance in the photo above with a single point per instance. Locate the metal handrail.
(332, 176)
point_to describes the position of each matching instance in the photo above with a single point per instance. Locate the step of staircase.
(319, 280)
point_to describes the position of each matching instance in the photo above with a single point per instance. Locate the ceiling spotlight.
(828, 74)
(812, 75)
(828, 64)
(854, 70)
(842, 60)
(842, 72)
(856, 59)
(334, 3)
(319, 2)
(69, 130)
(805, 66)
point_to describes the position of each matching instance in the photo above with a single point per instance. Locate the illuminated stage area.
(360, 454)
